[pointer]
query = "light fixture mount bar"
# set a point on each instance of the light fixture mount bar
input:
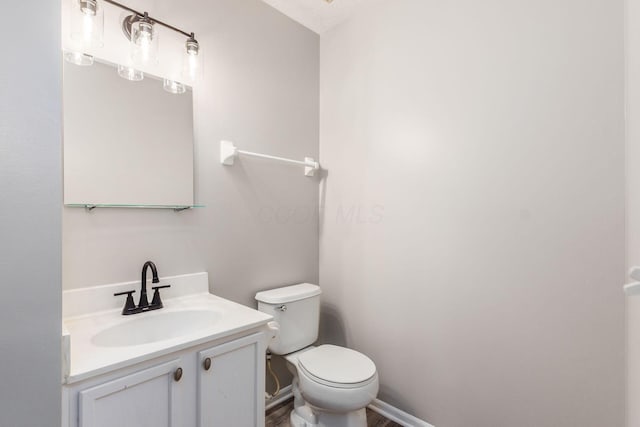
(155, 21)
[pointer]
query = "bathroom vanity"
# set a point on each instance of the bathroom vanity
(199, 361)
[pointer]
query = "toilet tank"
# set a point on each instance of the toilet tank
(297, 310)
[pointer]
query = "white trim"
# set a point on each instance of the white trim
(286, 393)
(390, 412)
(397, 415)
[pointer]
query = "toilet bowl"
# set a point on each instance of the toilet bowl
(332, 385)
(335, 378)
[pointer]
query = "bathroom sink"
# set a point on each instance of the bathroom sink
(97, 339)
(156, 326)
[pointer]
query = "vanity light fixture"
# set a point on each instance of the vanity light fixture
(193, 47)
(141, 30)
(192, 67)
(174, 87)
(87, 23)
(86, 19)
(130, 73)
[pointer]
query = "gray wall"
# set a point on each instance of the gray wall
(633, 206)
(472, 237)
(259, 228)
(30, 205)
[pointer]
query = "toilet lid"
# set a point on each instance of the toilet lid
(337, 365)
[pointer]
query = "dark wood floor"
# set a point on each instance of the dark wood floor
(279, 417)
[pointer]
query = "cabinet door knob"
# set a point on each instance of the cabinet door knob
(177, 375)
(206, 364)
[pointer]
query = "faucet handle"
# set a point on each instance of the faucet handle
(129, 305)
(157, 302)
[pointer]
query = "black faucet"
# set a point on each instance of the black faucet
(143, 304)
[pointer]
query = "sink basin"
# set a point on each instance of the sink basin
(155, 326)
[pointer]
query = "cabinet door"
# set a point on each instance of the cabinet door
(231, 391)
(149, 398)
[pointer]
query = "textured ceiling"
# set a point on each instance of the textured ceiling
(318, 15)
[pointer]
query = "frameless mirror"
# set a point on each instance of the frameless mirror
(125, 142)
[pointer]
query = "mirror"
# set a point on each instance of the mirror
(125, 142)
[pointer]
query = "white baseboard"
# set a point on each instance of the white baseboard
(286, 393)
(394, 414)
(390, 412)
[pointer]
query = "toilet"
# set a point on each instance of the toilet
(332, 385)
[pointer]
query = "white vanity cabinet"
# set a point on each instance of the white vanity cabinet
(231, 384)
(151, 397)
(215, 384)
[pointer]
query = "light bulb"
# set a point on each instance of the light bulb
(87, 28)
(145, 46)
(144, 35)
(193, 67)
(130, 73)
(174, 87)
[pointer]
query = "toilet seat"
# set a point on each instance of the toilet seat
(337, 367)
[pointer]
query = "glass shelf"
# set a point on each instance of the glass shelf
(92, 206)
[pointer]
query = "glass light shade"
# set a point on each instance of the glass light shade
(174, 87)
(78, 58)
(192, 62)
(87, 23)
(130, 73)
(144, 42)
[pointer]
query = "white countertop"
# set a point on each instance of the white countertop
(85, 359)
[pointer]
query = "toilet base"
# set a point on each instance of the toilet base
(304, 416)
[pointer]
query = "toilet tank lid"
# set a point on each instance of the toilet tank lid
(289, 294)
